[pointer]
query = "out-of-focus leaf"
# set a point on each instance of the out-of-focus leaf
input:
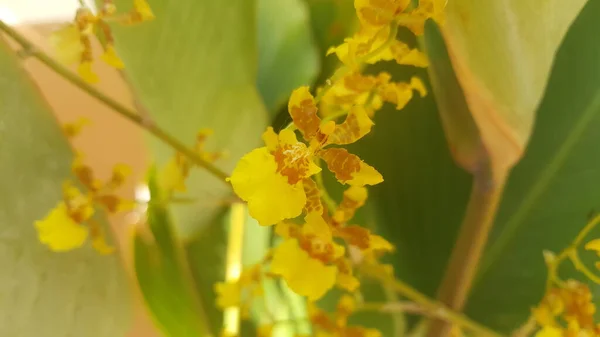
(331, 21)
(207, 256)
(552, 191)
(462, 134)
(163, 273)
(43, 293)
(502, 53)
(547, 198)
(287, 55)
(194, 66)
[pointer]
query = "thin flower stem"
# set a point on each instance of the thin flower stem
(580, 266)
(117, 107)
(434, 308)
(586, 230)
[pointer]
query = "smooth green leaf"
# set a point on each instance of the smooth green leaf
(502, 52)
(547, 200)
(192, 67)
(43, 293)
(552, 191)
(163, 273)
(462, 134)
(207, 256)
(331, 22)
(287, 56)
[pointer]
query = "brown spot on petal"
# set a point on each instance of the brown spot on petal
(293, 161)
(313, 197)
(110, 201)
(342, 163)
(356, 236)
(303, 110)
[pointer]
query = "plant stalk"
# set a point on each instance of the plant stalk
(31, 50)
(428, 305)
(485, 197)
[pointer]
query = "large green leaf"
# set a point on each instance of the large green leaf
(207, 256)
(195, 66)
(547, 199)
(502, 52)
(287, 54)
(552, 191)
(163, 273)
(43, 293)
(331, 22)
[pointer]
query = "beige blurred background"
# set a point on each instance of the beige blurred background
(110, 139)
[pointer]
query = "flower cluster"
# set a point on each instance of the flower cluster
(276, 180)
(175, 173)
(71, 222)
(336, 324)
(73, 42)
(282, 181)
(567, 308)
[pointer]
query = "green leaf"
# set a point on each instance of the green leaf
(331, 22)
(287, 54)
(207, 256)
(43, 293)
(502, 53)
(546, 202)
(163, 273)
(194, 66)
(552, 191)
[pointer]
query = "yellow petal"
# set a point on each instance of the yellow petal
(354, 198)
(86, 72)
(347, 282)
(119, 174)
(264, 330)
(405, 55)
(316, 226)
(378, 13)
(101, 246)
(378, 243)
(286, 229)
(417, 84)
(303, 274)
(287, 137)
(271, 139)
(74, 129)
(143, 9)
(269, 195)
(228, 294)
(313, 197)
(415, 58)
(349, 169)
(593, 245)
(356, 125)
(59, 232)
(366, 175)
(303, 110)
(549, 331)
(111, 58)
(172, 177)
(66, 44)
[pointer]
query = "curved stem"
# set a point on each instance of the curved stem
(454, 289)
(434, 308)
(117, 107)
(580, 266)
